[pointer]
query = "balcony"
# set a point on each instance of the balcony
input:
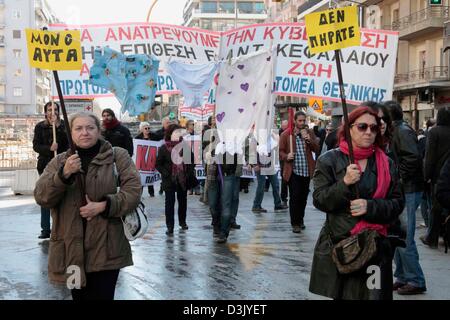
(437, 76)
(421, 22)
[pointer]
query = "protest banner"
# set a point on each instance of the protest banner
(333, 29)
(162, 40)
(144, 156)
(59, 50)
(304, 74)
(197, 114)
(299, 72)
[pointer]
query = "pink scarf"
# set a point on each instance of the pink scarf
(383, 181)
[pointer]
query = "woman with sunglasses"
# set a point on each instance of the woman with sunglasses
(146, 134)
(376, 206)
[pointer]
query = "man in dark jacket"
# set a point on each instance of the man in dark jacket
(44, 145)
(409, 274)
(115, 133)
(443, 186)
(437, 151)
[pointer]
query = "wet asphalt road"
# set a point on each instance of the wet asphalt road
(262, 260)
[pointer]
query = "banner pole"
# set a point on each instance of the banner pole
(348, 138)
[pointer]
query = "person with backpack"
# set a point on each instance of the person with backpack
(88, 233)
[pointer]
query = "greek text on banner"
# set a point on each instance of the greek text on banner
(54, 50)
(332, 29)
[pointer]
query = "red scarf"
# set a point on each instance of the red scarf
(383, 181)
(111, 125)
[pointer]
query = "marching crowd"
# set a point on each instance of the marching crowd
(394, 168)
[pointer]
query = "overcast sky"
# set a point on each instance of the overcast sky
(107, 11)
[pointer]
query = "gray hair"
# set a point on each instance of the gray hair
(84, 114)
(143, 124)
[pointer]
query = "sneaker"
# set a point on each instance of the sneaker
(221, 239)
(408, 289)
(259, 210)
(44, 235)
(428, 243)
(282, 207)
(235, 226)
(184, 226)
(296, 229)
(169, 232)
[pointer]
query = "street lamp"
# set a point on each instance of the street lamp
(150, 10)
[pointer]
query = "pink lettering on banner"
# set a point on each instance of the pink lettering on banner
(372, 40)
(86, 36)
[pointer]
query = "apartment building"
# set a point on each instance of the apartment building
(23, 90)
(222, 15)
(283, 11)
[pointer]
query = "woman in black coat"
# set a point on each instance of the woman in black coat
(177, 178)
(378, 206)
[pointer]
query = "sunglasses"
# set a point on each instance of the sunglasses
(146, 128)
(362, 127)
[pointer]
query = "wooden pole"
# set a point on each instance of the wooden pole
(54, 127)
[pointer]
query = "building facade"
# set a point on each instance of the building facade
(222, 15)
(23, 90)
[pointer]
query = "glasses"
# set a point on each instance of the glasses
(147, 128)
(362, 127)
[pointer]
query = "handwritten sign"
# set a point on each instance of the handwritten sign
(333, 29)
(54, 50)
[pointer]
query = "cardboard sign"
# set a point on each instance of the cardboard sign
(54, 50)
(333, 29)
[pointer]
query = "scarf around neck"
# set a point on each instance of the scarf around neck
(383, 181)
(111, 125)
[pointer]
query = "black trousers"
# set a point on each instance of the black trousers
(436, 218)
(99, 286)
(181, 196)
(298, 191)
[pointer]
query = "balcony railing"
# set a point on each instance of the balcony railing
(419, 16)
(423, 75)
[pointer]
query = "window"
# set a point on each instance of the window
(18, 73)
(209, 7)
(18, 92)
(260, 7)
(16, 14)
(16, 34)
(226, 7)
(17, 53)
(245, 7)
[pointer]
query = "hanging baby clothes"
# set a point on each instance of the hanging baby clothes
(142, 73)
(244, 97)
(108, 72)
(194, 80)
(132, 79)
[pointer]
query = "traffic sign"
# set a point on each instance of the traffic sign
(316, 104)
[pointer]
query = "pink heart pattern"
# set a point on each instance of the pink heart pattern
(240, 67)
(241, 110)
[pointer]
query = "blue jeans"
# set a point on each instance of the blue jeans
(259, 196)
(230, 203)
(214, 202)
(408, 269)
(45, 220)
